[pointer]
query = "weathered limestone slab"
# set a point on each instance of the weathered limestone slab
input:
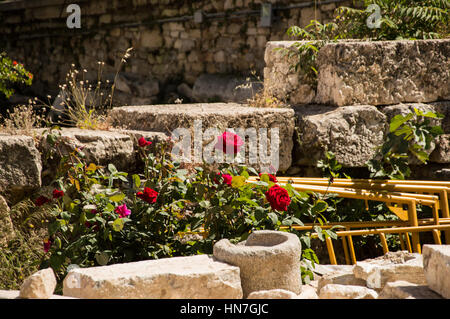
(6, 225)
(308, 292)
(441, 153)
(272, 294)
(39, 285)
(21, 167)
(100, 147)
(335, 291)
(352, 133)
(267, 260)
(15, 294)
(340, 278)
(384, 72)
(393, 266)
(280, 78)
(210, 116)
(406, 290)
(194, 277)
(436, 265)
(224, 88)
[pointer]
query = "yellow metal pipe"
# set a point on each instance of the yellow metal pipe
(344, 246)
(352, 249)
(384, 243)
(330, 248)
(437, 237)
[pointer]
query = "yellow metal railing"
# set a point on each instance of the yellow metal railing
(395, 194)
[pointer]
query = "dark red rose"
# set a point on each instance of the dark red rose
(272, 178)
(143, 142)
(41, 200)
(148, 195)
(57, 194)
(229, 143)
(47, 244)
(278, 198)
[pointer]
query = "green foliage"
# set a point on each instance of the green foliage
(410, 134)
(400, 19)
(12, 73)
(330, 166)
(304, 54)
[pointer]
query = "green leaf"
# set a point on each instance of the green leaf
(117, 198)
(102, 258)
(273, 217)
(319, 206)
(238, 181)
(399, 120)
(118, 224)
(136, 180)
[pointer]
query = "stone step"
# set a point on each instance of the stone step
(193, 277)
(220, 116)
(436, 265)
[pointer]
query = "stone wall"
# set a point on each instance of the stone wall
(361, 85)
(169, 46)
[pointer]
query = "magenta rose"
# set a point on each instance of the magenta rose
(229, 143)
(143, 142)
(123, 211)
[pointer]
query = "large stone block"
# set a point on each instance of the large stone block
(224, 88)
(393, 266)
(194, 277)
(281, 80)
(335, 291)
(384, 72)
(204, 122)
(352, 133)
(436, 265)
(406, 290)
(100, 147)
(39, 285)
(267, 260)
(340, 278)
(21, 166)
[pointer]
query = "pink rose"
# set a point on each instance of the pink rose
(229, 143)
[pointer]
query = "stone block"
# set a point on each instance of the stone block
(406, 290)
(224, 88)
(151, 39)
(308, 292)
(272, 294)
(335, 291)
(39, 285)
(100, 147)
(352, 133)
(340, 278)
(441, 153)
(267, 260)
(215, 117)
(436, 265)
(393, 266)
(194, 277)
(280, 78)
(21, 166)
(383, 72)
(6, 226)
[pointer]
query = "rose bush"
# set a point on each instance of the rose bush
(103, 216)
(12, 72)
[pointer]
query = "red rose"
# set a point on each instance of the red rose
(272, 178)
(278, 198)
(41, 200)
(143, 142)
(14, 63)
(47, 244)
(229, 143)
(57, 194)
(149, 195)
